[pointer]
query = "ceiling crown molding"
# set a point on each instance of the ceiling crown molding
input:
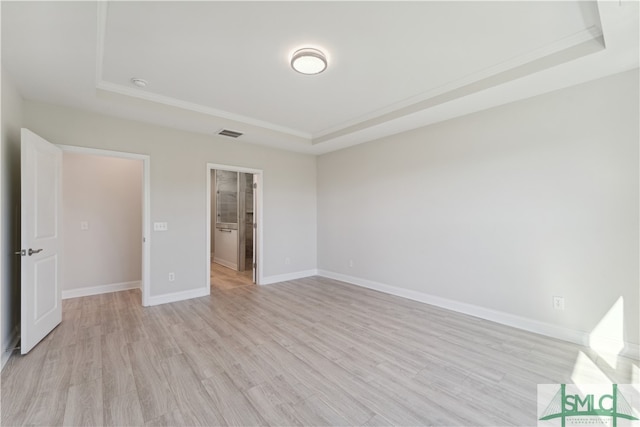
(587, 41)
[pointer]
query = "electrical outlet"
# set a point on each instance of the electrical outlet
(558, 303)
(350, 263)
(172, 277)
(287, 260)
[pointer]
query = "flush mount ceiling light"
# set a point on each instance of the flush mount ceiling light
(139, 82)
(308, 61)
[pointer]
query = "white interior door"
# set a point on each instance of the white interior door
(41, 174)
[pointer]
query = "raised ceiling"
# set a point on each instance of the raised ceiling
(393, 66)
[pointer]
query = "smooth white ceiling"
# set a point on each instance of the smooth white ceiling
(393, 66)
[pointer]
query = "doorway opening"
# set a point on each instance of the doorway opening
(42, 230)
(234, 226)
(106, 222)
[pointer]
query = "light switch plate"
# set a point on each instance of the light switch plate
(160, 226)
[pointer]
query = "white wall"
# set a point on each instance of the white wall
(502, 209)
(9, 214)
(178, 190)
(106, 193)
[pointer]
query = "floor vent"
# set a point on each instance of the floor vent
(229, 133)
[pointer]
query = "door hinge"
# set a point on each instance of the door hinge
(255, 225)
(255, 185)
(254, 265)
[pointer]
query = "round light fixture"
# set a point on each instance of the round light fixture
(308, 61)
(139, 82)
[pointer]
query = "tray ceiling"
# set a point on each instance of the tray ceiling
(393, 66)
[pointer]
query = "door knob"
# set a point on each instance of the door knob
(32, 251)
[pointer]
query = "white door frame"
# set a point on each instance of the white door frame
(257, 248)
(146, 253)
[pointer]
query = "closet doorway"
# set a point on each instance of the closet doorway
(234, 226)
(105, 197)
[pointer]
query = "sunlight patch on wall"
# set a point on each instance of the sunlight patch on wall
(607, 338)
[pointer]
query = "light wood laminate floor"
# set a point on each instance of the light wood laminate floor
(306, 352)
(226, 278)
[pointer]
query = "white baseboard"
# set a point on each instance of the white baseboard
(631, 350)
(554, 331)
(227, 264)
(268, 280)
(103, 289)
(11, 343)
(179, 296)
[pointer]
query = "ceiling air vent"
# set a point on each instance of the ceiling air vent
(229, 133)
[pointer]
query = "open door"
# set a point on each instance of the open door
(41, 175)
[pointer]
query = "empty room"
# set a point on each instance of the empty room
(320, 213)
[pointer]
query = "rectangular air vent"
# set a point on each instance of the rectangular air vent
(229, 133)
